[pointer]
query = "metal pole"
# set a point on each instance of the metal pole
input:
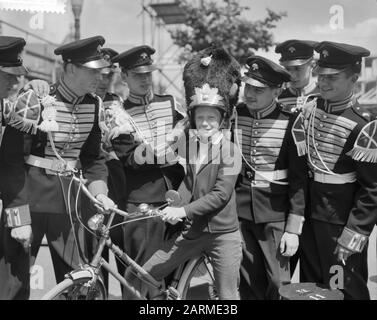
(76, 9)
(143, 19)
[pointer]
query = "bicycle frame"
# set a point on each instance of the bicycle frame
(90, 272)
(98, 262)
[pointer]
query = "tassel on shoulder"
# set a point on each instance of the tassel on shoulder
(365, 147)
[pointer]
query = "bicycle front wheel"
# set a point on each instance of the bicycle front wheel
(197, 280)
(78, 289)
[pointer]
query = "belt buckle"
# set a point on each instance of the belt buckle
(59, 165)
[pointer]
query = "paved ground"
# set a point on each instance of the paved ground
(43, 275)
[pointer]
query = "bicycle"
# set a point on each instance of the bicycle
(85, 282)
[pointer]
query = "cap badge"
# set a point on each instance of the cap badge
(99, 47)
(106, 57)
(325, 53)
(291, 49)
(143, 56)
(206, 95)
(254, 66)
(206, 61)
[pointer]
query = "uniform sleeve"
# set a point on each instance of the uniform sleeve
(363, 215)
(297, 179)
(92, 159)
(14, 147)
(24, 117)
(221, 193)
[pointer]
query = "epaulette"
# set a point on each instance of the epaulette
(365, 147)
(358, 113)
(284, 110)
(26, 112)
(298, 134)
(179, 108)
(308, 107)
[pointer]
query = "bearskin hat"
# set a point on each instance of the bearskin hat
(214, 71)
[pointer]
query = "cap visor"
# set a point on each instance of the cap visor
(18, 71)
(253, 82)
(322, 70)
(96, 64)
(144, 69)
(297, 62)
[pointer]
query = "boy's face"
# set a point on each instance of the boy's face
(207, 120)
(257, 98)
(337, 86)
(300, 75)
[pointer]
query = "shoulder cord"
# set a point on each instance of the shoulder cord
(235, 115)
(311, 131)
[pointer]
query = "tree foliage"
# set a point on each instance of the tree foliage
(221, 22)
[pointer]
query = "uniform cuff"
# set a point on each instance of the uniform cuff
(189, 214)
(352, 240)
(294, 224)
(17, 216)
(96, 187)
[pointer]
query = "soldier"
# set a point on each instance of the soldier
(46, 139)
(297, 59)
(153, 116)
(116, 179)
(342, 159)
(271, 188)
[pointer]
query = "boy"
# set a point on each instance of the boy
(208, 188)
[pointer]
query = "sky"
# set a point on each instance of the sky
(121, 23)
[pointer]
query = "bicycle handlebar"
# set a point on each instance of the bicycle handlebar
(94, 200)
(147, 209)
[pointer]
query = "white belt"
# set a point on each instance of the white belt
(335, 179)
(54, 165)
(271, 175)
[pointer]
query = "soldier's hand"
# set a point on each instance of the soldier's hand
(105, 201)
(23, 235)
(173, 215)
(289, 244)
(40, 87)
(342, 253)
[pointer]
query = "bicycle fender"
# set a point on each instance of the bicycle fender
(79, 274)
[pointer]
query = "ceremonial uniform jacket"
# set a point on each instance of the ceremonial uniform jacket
(117, 181)
(154, 115)
(292, 99)
(208, 188)
(342, 156)
(268, 145)
(73, 123)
